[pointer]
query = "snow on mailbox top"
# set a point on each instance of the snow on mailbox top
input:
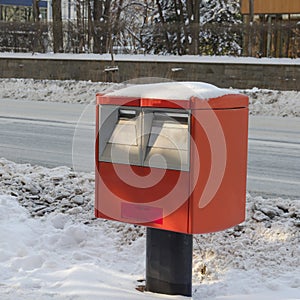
(187, 94)
(171, 91)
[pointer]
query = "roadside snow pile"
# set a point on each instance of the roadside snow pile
(44, 191)
(51, 246)
(262, 102)
(68, 91)
(273, 103)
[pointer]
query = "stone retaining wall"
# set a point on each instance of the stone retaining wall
(236, 75)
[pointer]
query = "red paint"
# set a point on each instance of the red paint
(119, 199)
(141, 213)
(120, 101)
(162, 103)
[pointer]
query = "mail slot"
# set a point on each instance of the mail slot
(119, 139)
(172, 156)
(167, 137)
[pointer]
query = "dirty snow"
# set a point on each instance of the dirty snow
(52, 247)
(262, 101)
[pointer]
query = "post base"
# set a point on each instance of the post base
(169, 260)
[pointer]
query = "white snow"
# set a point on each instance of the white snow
(64, 253)
(182, 90)
(55, 258)
(261, 101)
(51, 247)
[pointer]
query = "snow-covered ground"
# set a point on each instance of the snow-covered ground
(52, 247)
(262, 101)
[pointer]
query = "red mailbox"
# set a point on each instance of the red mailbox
(172, 156)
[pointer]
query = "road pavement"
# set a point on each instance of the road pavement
(55, 134)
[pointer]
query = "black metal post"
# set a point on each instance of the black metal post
(169, 259)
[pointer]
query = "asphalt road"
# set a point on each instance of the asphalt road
(55, 134)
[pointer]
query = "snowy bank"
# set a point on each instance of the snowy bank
(51, 246)
(262, 102)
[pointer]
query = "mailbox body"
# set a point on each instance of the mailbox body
(200, 187)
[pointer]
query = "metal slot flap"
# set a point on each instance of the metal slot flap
(169, 141)
(123, 143)
(169, 132)
(127, 114)
(125, 133)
